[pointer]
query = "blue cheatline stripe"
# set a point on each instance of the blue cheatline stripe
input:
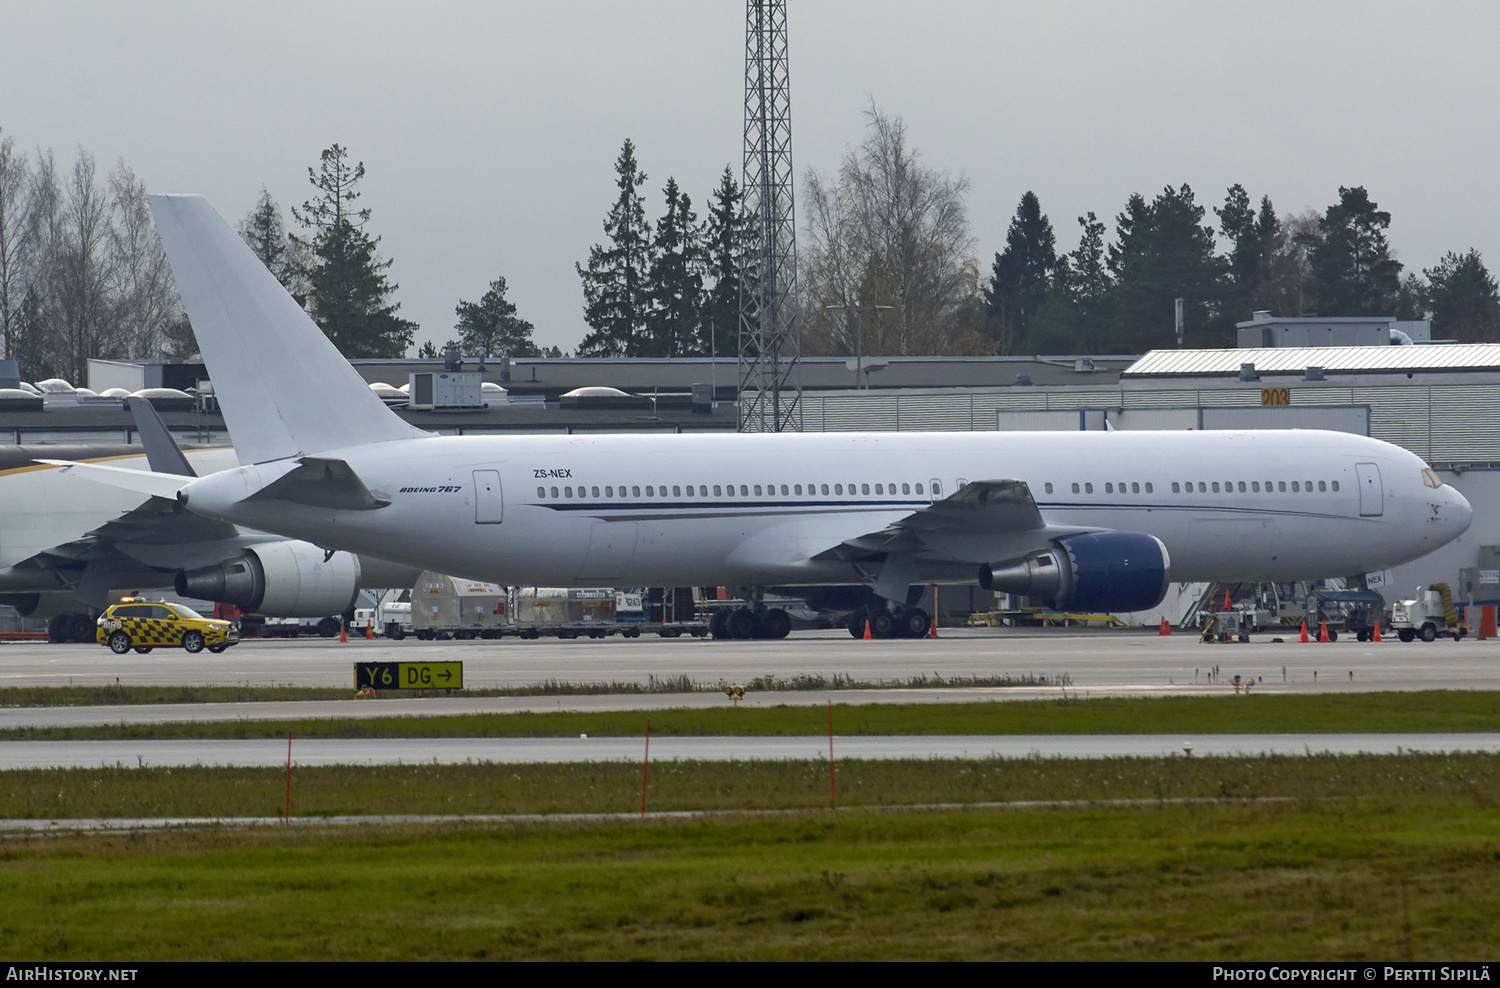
(720, 505)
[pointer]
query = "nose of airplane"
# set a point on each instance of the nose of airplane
(1458, 512)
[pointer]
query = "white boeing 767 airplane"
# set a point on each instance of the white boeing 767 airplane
(1090, 520)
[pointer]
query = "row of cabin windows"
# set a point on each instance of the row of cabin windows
(1204, 487)
(728, 490)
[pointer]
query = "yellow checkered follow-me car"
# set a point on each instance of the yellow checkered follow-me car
(143, 625)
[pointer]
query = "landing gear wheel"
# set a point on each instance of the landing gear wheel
(718, 623)
(883, 624)
(775, 623)
(1361, 636)
(119, 643)
(741, 623)
(1333, 635)
(914, 623)
(328, 627)
(857, 624)
(192, 642)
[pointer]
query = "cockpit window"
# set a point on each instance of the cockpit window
(1430, 478)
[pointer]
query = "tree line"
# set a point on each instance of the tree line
(1118, 297)
(887, 265)
(82, 273)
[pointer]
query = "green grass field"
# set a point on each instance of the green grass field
(1219, 859)
(1440, 711)
(1321, 881)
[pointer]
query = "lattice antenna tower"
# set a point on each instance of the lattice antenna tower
(770, 395)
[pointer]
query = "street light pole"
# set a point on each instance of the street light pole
(859, 338)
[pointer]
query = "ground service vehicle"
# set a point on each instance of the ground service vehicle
(144, 625)
(448, 607)
(1429, 614)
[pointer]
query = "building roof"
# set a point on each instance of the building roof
(1333, 360)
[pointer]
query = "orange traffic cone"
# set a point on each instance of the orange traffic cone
(1322, 631)
(1166, 629)
(1226, 600)
(343, 633)
(1303, 637)
(1376, 637)
(932, 632)
(867, 629)
(370, 631)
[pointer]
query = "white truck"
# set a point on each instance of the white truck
(1428, 615)
(391, 615)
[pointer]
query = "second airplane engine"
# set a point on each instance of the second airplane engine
(278, 579)
(1096, 571)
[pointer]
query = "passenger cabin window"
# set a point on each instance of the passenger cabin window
(1088, 488)
(1049, 488)
(1335, 486)
(1175, 488)
(541, 492)
(1148, 487)
(1075, 487)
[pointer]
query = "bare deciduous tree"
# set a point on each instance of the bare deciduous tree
(892, 232)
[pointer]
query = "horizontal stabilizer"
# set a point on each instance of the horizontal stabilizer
(322, 483)
(155, 484)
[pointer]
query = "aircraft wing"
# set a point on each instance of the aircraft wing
(979, 509)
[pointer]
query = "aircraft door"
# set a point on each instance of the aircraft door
(489, 501)
(1371, 492)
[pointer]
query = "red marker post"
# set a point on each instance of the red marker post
(286, 821)
(831, 791)
(645, 766)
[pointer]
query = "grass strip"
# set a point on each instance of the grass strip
(1434, 711)
(491, 788)
(1405, 879)
(123, 695)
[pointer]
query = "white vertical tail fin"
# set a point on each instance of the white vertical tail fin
(284, 388)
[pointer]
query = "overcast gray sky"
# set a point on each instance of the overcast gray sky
(489, 130)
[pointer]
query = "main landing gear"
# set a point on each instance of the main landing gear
(745, 622)
(903, 622)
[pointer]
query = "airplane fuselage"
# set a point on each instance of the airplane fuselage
(747, 509)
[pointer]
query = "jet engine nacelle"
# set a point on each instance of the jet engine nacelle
(1096, 571)
(278, 579)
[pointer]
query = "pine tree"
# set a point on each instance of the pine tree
(1352, 268)
(675, 281)
(617, 302)
(491, 326)
(264, 231)
(1020, 276)
(1464, 299)
(348, 293)
(1163, 252)
(725, 243)
(1252, 236)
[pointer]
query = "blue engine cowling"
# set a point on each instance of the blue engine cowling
(1095, 571)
